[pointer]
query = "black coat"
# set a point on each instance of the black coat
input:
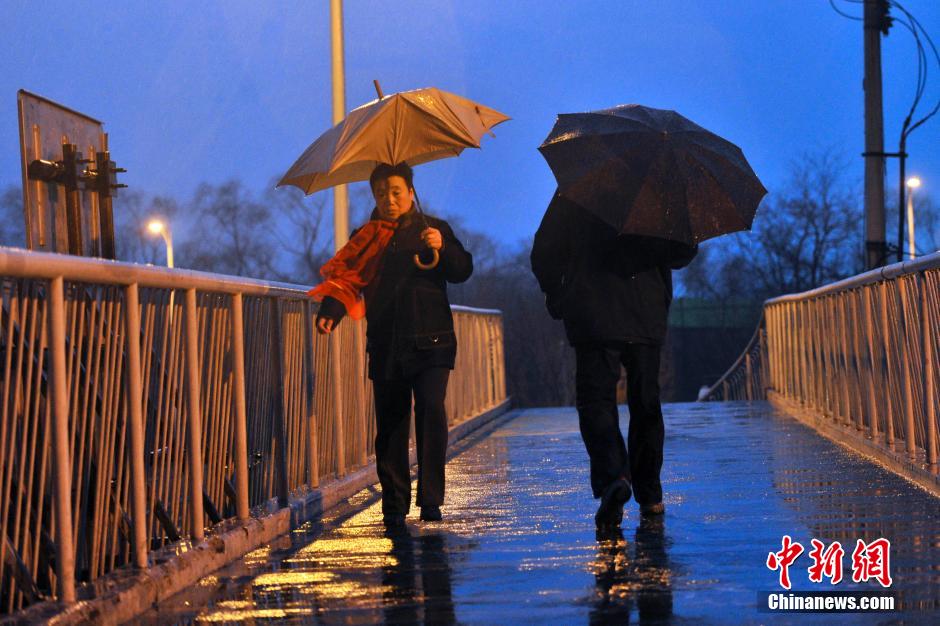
(606, 287)
(410, 325)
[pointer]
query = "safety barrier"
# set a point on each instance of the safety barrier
(861, 353)
(142, 405)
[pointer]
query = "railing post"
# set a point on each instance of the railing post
(874, 365)
(749, 389)
(848, 381)
(339, 430)
(854, 299)
(930, 398)
(280, 438)
(905, 364)
(241, 414)
(501, 359)
(359, 380)
(313, 463)
(133, 382)
(193, 395)
(65, 554)
(886, 337)
(764, 355)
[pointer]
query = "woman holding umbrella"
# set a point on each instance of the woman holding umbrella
(410, 335)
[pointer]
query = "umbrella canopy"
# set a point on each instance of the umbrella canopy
(652, 172)
(410, 126)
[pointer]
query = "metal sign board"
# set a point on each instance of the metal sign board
(68, 179)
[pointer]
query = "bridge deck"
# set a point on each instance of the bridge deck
(518, 542)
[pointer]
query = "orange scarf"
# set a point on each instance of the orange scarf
(353, 267)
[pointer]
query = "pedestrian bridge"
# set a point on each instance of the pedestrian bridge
(158, 425)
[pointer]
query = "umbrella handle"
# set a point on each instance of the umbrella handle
(432, 264)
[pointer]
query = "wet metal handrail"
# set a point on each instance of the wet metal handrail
(132, 417)
(861, 352)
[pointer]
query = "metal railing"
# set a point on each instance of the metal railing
(862, 352)
(141, 406)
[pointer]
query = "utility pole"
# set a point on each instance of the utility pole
(875, 245)
(340, 197)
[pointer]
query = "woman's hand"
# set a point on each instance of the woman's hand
(325, 325)
(432, 238)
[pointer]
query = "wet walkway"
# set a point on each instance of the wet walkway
(518, 542)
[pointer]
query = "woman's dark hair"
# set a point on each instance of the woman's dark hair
(383, 171)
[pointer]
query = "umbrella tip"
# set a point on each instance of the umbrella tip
(378, 88)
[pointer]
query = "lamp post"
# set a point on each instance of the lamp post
(157, 227)
(340, 196)
(912, 183)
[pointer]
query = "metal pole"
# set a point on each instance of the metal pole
(65, 555)
(907, 382)
(911, 248)
(930, 402)
(901, 191)
(874, 361)
(889, 375)
(193, 396)
(874, 140)
(168, 240)
(241, 416)
(136, 418)
(339, 419)
(313, 465)
(340, 197)
(281, 484)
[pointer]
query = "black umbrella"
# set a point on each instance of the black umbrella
(652, 172)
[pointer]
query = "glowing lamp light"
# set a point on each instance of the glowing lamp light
(913, 182)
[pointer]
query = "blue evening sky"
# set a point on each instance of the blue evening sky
(220, 89)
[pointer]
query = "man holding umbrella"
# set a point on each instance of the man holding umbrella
(638, 189)
(394, 272)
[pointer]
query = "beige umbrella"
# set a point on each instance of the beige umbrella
(410, 126)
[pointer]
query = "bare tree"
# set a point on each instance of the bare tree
(133, 210)
(303, 234)
(230, 233)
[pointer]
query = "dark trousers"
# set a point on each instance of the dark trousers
(640, 461)
(393, 413)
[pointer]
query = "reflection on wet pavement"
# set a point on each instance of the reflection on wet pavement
(518, 543)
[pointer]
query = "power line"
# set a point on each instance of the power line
(832, 3)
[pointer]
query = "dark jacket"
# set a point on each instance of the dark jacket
(606, 287)
(410, 325)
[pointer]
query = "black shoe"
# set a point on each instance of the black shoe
(611, 534)
(394, 522)
(431, 514)
(610, 512)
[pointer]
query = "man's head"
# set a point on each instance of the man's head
(393, 189)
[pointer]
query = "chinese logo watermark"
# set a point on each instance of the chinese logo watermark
(870, 561)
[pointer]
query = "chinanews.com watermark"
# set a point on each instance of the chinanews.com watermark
(870, 563)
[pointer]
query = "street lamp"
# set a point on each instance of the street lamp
(912, 183)
(157, 227)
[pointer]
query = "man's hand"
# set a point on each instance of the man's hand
(432, 238)
(325, 325)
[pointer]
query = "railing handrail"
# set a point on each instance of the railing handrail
(469, 309)
(750, 345)
(20, 263)
(926, 262)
